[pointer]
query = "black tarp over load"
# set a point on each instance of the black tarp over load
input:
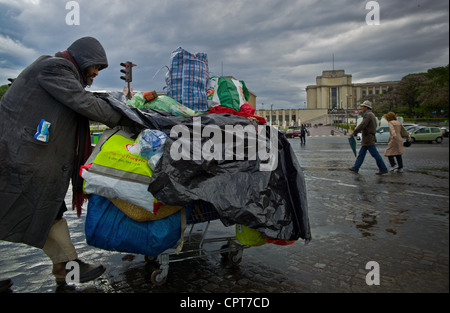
(272, 201)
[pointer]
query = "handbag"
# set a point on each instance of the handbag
(404, 132)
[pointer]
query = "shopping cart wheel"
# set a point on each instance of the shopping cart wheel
(157, 277)
(150, 259)
(235, 257)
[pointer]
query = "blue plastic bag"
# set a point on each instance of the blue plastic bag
(110, 229)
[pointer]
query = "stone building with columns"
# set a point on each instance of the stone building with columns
(285, 118)
(333, 98)
(334, 90)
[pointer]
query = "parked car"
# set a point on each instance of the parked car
(425, 133)
(292, 133)
(411, 129)
(383, 134)
(410, 125)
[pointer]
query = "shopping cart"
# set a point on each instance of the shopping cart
(195, 246)
(107, 227)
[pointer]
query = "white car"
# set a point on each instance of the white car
(382, 135)
(410, 125)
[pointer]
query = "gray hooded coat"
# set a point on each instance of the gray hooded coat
(35, 175)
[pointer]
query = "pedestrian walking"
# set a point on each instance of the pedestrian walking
(303, 135)
(368, 129)
(394, 150)
(44, 138)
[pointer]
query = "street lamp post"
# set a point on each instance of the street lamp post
(271, 116)
(348, 97)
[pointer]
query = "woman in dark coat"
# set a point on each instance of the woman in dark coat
(35, 174)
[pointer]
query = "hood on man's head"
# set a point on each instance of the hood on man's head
(88, 51)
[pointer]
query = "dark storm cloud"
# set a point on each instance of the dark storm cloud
(277, 47)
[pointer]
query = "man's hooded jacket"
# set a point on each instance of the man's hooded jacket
(35, 175)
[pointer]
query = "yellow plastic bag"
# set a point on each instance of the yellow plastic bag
(249, 237)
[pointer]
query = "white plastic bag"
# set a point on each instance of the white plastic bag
(114, 188)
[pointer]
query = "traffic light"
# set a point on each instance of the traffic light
(128, 77)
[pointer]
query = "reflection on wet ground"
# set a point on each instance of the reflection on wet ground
(398, 220)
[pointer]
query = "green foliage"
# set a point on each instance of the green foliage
(434, 94)
(417, 95)
(345, 126)
(3, 89)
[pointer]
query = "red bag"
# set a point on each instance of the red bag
(280, 242)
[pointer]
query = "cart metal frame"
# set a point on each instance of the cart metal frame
(231, 250)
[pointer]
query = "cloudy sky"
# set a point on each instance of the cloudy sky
(277, 47)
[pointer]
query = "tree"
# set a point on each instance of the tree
(420, 94)
(3, 89)
(408, 91)
(389, 101)
(434, 92)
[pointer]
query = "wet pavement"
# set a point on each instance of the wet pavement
(398, 220)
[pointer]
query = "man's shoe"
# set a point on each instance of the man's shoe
(88, 272)
(393, 168)
(383, 172)
(5, 284)
(400, 170)
(353, 170)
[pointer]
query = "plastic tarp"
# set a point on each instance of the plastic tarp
(272, 201)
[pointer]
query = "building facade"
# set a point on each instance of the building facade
(333, 99)
(334, 90)
(285, 118)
